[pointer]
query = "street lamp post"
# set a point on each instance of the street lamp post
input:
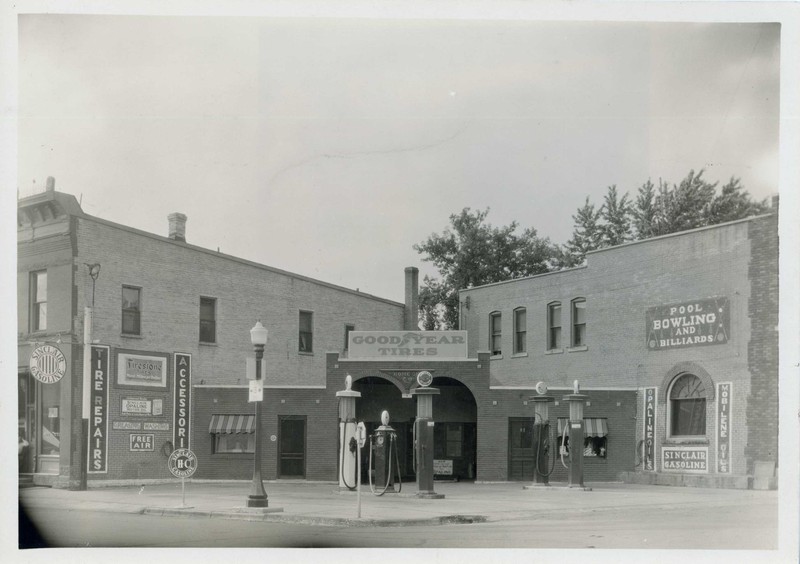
(258, 497)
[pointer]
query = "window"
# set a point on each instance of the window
(687, 407)
(233, 434)
(306, 332)
(208, 320)
(347, 329)
(131, 310)
(554, 326)
(39, 301)
(520, 330)
(595, 436)
(495, 333)
(579, 322)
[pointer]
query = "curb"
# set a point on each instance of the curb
(315, 520)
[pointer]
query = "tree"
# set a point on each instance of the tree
(684, 206)
(644, 211)
(732, 203)
(586, 236)
(616, 216)
(473, 253)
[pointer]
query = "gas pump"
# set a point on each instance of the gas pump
(575, 426)
(348, 444)
(541, 436)
(423, 436)
(383, 443)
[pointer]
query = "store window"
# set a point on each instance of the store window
(39, 300)
(208, 320)
(520, 330)
(595, 436)
(131, 310)
(306, 332)
(51, 420)
(233, 434)
(579, 322)
(687, 407)
(554, 326)
(495, 333)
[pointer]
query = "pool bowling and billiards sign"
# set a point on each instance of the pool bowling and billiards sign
(688, 324)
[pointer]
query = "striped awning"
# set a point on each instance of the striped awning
(232, 424)
(592, 426)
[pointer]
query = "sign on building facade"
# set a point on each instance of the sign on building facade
(688, 324)
(98, 411)
(141, 370)
(686, 460)
(183, 390)
(724, 427)
(649, 447)
(407, 345)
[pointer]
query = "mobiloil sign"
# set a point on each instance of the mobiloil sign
(407, 345)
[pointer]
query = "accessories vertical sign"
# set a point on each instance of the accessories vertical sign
(182, 412)
(98, 414)
(648, 457)
(723, 427)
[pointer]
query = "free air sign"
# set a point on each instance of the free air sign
(182, 463)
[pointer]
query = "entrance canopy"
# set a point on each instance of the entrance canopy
(232, 424)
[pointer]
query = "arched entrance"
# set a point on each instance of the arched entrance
(454, 413)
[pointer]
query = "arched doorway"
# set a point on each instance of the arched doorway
(455, 414)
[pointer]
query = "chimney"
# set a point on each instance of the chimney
(411, 311)
(51, 184)
(177, 226)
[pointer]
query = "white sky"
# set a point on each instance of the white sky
(328, 147)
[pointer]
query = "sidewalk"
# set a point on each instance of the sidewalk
(322, 504)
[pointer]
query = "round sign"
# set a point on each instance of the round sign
(182, 463)
(424, 378)
(48, 364)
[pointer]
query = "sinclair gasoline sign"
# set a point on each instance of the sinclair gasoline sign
(688, 324)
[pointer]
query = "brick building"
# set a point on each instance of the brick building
(673, 339)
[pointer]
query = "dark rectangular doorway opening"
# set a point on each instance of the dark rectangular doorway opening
(292, 446)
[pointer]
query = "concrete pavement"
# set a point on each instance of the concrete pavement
(323, 504)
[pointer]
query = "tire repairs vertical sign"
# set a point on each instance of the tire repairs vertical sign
(648, 458)
(183, 390)
(98, 414)
(724, 427)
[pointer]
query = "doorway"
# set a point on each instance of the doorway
(292, 446)
(520, 449)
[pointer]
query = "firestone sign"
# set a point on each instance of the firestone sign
(407, 345)
(688, 324)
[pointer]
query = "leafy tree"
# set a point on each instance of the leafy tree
(616, 216)
(732, 203)
(684, 206)
(644, 211)
(471, 253)
(587, 236)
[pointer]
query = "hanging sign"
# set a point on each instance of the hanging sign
(182, 463)
(183, 390)
(48, 364)
(256, 391)
(688, 324)
(98, 411)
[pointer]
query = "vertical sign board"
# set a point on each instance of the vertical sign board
(98, 411)
(182, 411)
(650, 404)
(724, 428)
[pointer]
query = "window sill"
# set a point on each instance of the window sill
(305, 353)
(519, 355)
(578, 349)
(207, 344)
(554, 351)
(496, 357)
(232, 455)
(699, 441)
(130, 336)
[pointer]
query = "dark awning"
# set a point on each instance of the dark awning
(592, 426)
(232, 424)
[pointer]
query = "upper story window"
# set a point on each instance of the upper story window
(39, 300)
(131, 310)
(520, 330)
(347, 328)
(579, 322)
(554, 326)
(687, 407)
(208, 320)
(495, 333)
(306, 332)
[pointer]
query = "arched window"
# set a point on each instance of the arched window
(687, 407)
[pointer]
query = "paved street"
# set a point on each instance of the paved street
(487, 516)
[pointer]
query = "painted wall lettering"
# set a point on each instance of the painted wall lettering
(689, 324)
